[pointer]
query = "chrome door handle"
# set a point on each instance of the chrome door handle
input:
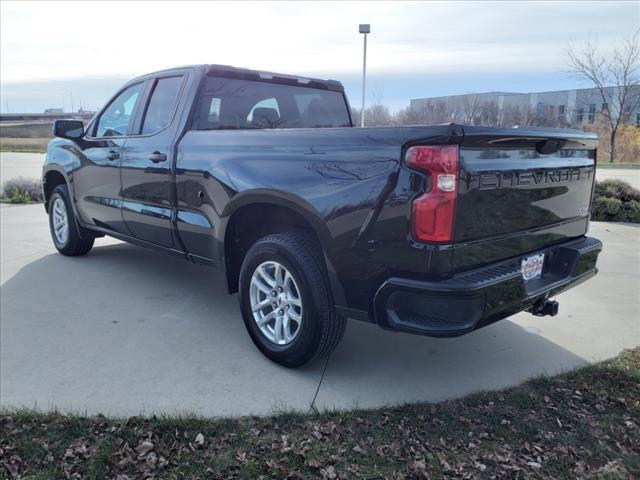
(113, 155)
(157, 157)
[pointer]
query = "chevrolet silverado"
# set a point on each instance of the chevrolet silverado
(433, 230)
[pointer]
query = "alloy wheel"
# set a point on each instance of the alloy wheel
(276, 303)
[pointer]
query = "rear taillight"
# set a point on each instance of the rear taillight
(432, 215)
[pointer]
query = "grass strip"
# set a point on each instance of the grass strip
(583, 424)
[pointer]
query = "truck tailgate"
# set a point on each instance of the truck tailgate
(519, 193)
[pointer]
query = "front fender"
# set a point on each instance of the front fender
(63, 158)
(53, 167)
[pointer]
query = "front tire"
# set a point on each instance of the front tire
(286, 300)
(62, 225)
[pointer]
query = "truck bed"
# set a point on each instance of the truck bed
(512, 199)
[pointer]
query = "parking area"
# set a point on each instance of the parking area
(20, 164)
(629, 175)
(126, 331)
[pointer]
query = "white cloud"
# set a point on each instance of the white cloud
(41, 41)
(44, 46)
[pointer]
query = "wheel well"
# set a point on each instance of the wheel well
(250, 223)
(51, 180)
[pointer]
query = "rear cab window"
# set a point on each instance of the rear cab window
(236, 104)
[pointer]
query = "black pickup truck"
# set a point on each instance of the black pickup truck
(434, 230)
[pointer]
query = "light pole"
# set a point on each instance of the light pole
(364, 28)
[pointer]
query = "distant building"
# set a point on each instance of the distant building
(561, 107)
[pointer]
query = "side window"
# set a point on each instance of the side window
(162, 104)
(114, 121)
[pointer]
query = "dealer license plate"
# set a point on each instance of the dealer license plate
(532, 266)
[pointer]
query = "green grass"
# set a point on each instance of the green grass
(584, 424)
(619, 165)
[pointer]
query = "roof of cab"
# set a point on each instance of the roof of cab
(248, 74)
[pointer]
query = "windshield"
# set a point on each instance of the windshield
(229, 103)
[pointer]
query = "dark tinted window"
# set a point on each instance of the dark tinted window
(228, 103)
(114, 121)
(162, 104)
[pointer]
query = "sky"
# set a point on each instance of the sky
(64, 54)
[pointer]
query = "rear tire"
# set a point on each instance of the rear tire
(301, 289)
(63, 226)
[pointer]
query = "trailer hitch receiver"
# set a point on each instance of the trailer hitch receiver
(544, 307)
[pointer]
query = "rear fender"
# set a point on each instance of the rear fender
(300, 206)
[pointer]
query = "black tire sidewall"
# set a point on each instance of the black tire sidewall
(75, 244)
(304, 346)
(59, 193)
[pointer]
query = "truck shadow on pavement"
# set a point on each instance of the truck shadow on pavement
(126, 330)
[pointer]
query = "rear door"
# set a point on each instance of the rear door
(146, 162)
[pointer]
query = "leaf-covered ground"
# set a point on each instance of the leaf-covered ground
(584, 424)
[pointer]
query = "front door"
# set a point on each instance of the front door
(146, 164)
(97, 177)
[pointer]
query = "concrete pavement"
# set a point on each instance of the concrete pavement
(20, 164)
(126, 330)
(629, 175)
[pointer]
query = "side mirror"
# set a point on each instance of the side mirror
(71, 129)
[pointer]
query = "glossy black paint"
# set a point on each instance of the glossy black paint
(146, 173)
(476, 298)
(96, 182)
(349, 184)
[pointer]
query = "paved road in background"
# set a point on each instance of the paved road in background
(126, 330)
(14, 164)
(30, 165)
(629, 175)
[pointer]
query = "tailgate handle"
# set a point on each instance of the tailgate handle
(549, 146)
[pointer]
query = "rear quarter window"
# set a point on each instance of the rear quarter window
(161, 104)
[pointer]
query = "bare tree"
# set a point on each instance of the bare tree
(355, 116)
(378, 115)
(490, 115)
(428, 114)
(619, 70)
(408, 116)
(519, 115)
(470, 109)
